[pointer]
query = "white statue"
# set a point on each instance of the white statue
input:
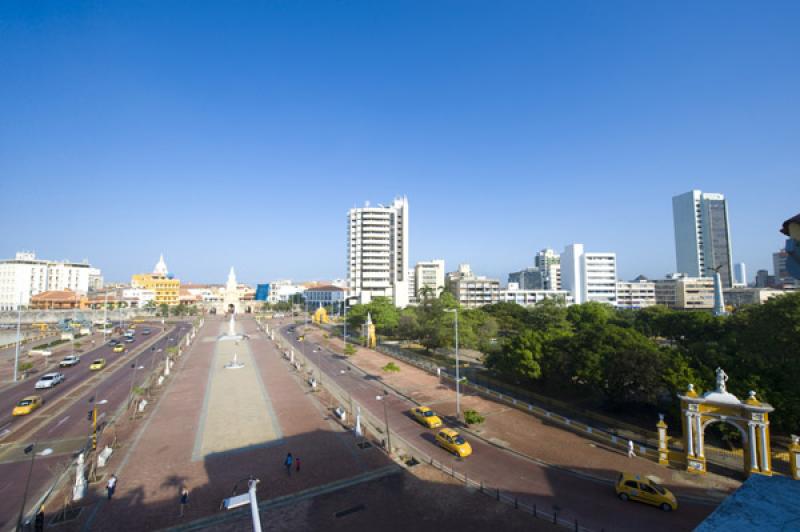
(79, 489)
(722, 378)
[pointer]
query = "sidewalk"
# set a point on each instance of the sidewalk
(536, 438)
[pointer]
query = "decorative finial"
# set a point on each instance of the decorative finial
(661, 417)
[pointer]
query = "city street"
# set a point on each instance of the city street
(593, 504)
(62, 425)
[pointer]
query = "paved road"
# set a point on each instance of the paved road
(67, 431)
(75, 375)
(592, 503)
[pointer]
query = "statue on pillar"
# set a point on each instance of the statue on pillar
(722, 378)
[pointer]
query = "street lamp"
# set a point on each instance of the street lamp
(385, 399)
(29, 450)
(19, 325)
(458, 376)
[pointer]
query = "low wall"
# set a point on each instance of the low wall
(9, 317)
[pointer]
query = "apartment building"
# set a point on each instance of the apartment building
(377, 252)
(166, 289)
(429, 275)
(636, 294)
(681, 292)
(589, 276)
(25, 276)
(472, 290)
(515, 294)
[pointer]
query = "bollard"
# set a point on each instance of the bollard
(576, 525)
(534, 509)
(516, 504)
(498, 494)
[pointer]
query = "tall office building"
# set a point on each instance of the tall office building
(430, 275)
(589, 276)
(740, 274)
(702, 235)
(377, 252)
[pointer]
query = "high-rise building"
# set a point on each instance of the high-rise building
(377, 252)
(589, 276)
(25, 276)
(429, 276)
(702, 235)
(740, 274)
(782, 274)
(549, 263)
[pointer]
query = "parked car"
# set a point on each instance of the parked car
(452, 441)
(634, 487)
(49, 380)
(27, 405)
(426, 416)
(98, 364)
(69, 361)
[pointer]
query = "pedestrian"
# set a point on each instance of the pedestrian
(288, 464)
(297, 464)
(631, 454)
(111, 486)
(184, 499)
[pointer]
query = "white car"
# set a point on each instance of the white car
(69, 360)
(49, 380)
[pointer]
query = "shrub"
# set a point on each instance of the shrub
(349, 349)
(471, 417)
(25, 366)
(391, 367)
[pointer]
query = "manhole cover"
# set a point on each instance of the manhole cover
(349, 511)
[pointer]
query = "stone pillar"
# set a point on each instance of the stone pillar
(663, 449)
(689, 435)
(762, 436)
(794, 457)
(699, 451)
(753, 444)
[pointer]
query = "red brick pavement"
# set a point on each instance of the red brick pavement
(159, 463)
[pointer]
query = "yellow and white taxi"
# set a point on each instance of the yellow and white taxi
(633, 487)
(452, 441)
(426, 417)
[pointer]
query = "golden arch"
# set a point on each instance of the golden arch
(320, 315)
(750, 417)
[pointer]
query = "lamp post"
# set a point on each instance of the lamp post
(458, 375)
(19, 325)
(30, 449)
(385, 399)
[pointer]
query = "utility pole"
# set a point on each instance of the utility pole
(19, 325)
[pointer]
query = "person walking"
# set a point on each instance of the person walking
(631, 454)
(297, 464)
(288, 464)
(184, 499)
(111, 486)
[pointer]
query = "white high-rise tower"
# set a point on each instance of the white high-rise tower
(377, 252)
(702, 235)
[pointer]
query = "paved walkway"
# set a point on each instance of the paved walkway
(160, 460)
(529, 435)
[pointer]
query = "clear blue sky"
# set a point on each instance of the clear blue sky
(237, 133)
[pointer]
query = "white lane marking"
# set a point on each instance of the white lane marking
(61, 422)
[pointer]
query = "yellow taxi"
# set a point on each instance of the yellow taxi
(426, 416)
(27, 405)
(119, 348)
(98, 364)
(453, 442)
(638, 488)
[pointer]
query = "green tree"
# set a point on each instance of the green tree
(163, 309)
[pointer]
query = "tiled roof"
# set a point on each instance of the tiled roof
(56, 295)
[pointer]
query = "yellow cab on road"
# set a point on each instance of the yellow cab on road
(426, 416)
(453, 442)
(635, 487)
(98, 364)
(119, 348)
(27, 405)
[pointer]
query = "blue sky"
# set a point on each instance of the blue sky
(237, 133)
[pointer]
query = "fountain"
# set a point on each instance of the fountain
(232, 332)
(234, 364)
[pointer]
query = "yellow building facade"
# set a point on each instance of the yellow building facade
(166, 290)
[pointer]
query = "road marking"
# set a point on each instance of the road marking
(61, 422)
(5, 430)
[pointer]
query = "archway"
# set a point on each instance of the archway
(725, 443)
(750, 417)
(231, 308)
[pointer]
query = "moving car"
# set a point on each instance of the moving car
(129, 339)
(69, 361)
(27, 405)
(119, 348)
(145, 331)
(637, 488)
(426, 416)
(98, 364)
(452, 441)
(49, 380)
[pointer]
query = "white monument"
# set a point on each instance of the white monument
(231, 298)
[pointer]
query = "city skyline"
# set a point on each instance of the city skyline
(510, 130)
